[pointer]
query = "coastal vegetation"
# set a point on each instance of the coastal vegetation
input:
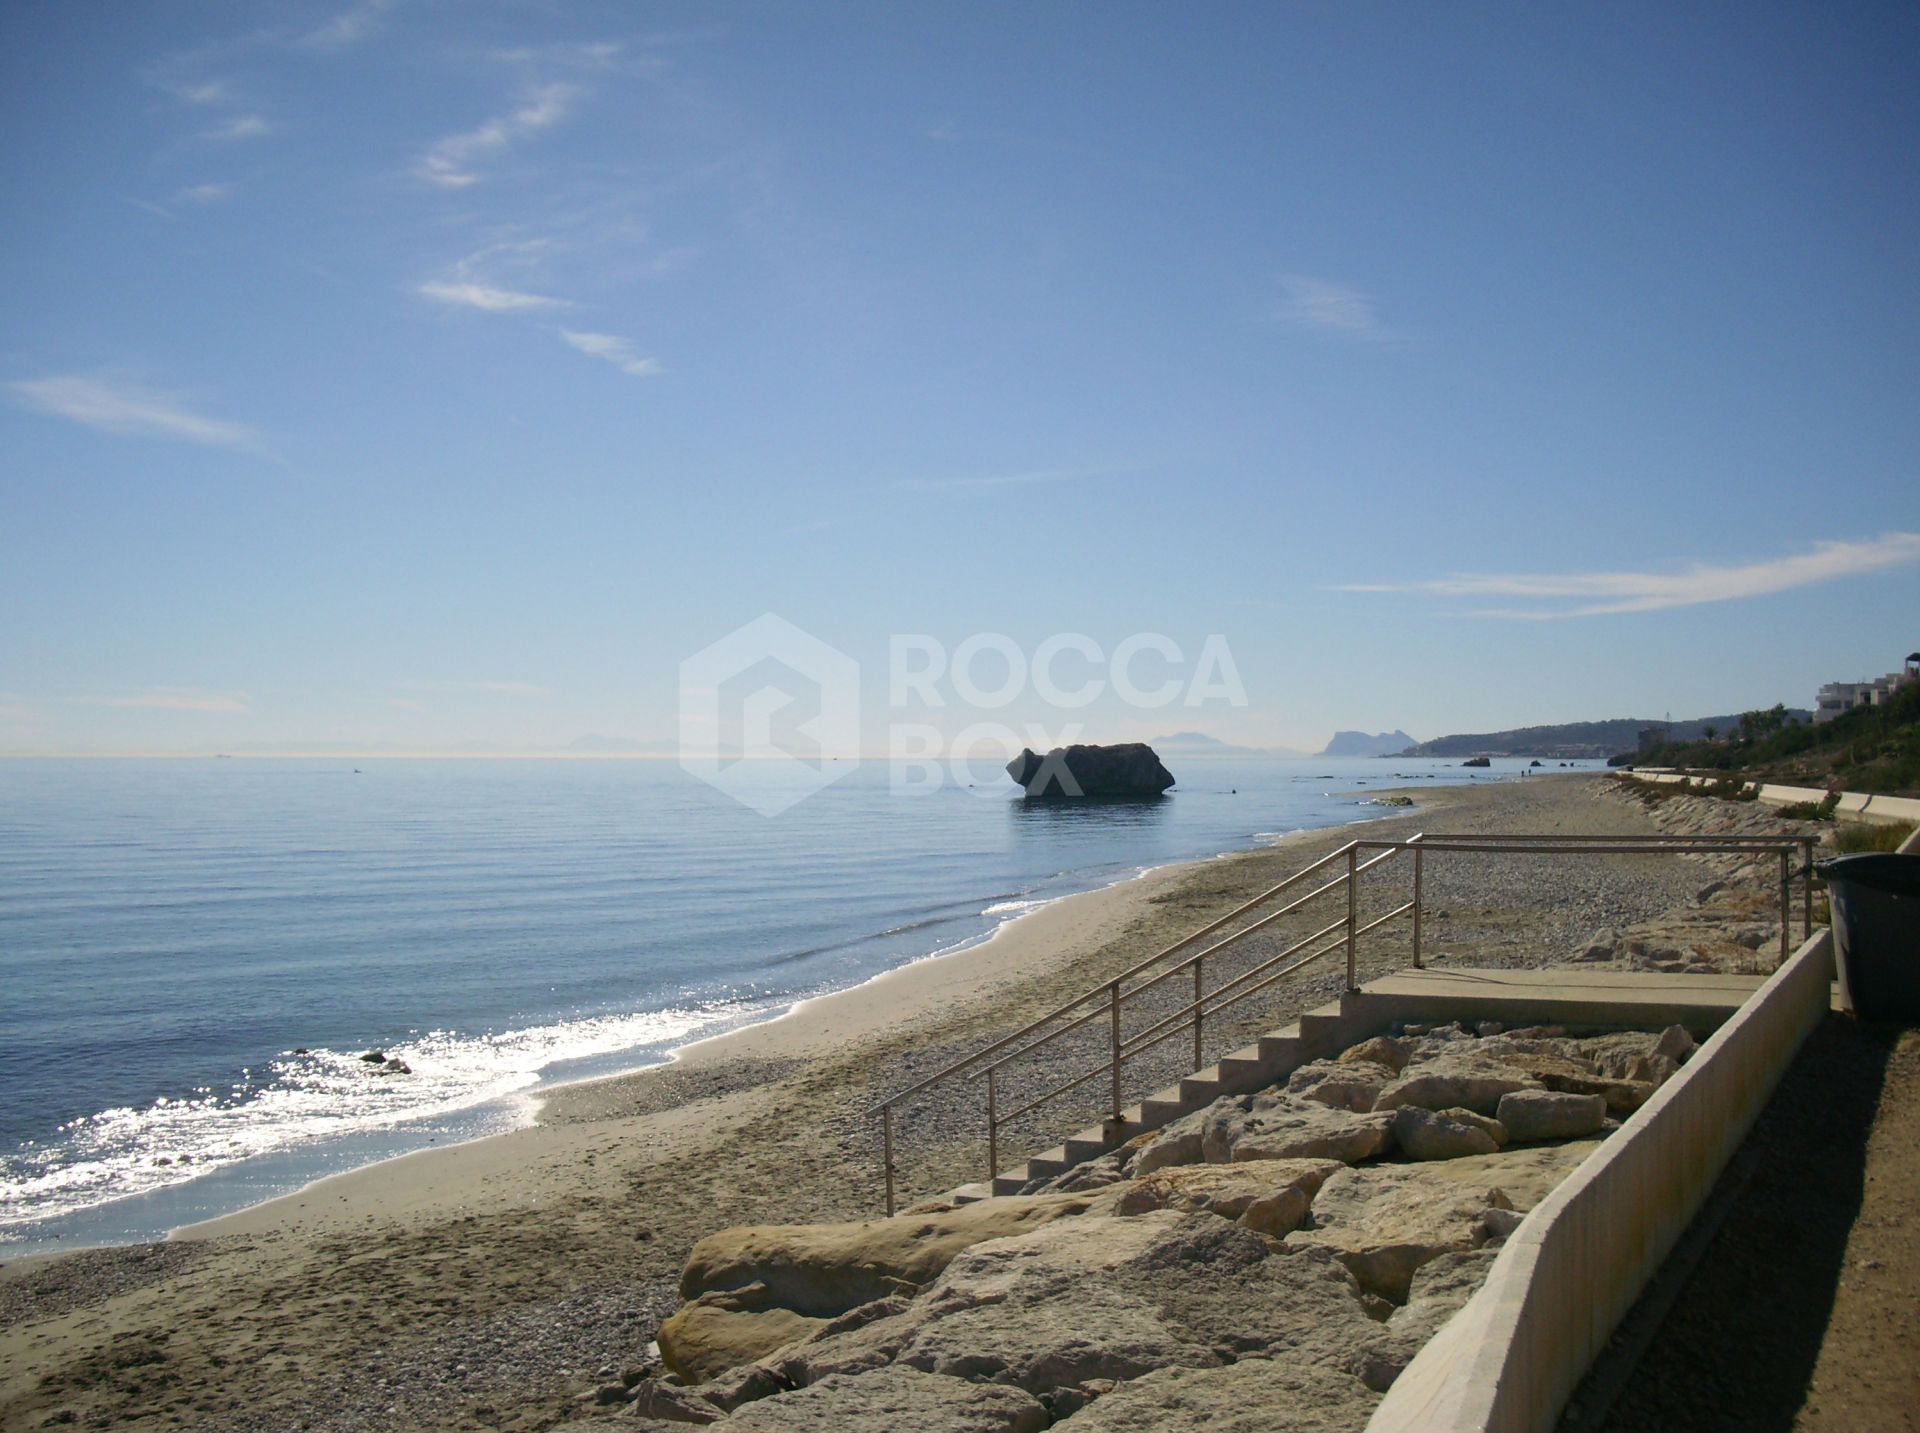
(1870, 748)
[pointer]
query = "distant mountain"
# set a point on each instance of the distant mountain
(1360, 743)
(1198, 743)
(1577, 738)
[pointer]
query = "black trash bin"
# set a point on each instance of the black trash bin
(1876, 933)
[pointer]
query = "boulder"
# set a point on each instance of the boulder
(1622, 1096)
(1432, 1134)
(1168, 1151)
(1267, 1196)
(1525, 1174)
(1127, 771)
(1290, 1128)
(1243, 1397)
(1383, 1223)
(1080, 1300)
(1541, 1114)
(721, 1330)
(889, 1399)
(825, 1269)
(1340, 1084)
(671, 1403)
(1468, 1081)
(1439, 1289)
(1380, 1050)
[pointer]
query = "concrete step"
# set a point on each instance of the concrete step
(1202, 1086)
(974, 1193)
(1057, 1160)
(1009, 1183)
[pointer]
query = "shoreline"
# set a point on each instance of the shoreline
(783, 1038)
(811, 1027)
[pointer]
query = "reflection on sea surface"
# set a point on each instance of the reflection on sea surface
(1048, 815)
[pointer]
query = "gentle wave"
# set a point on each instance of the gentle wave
(303, 1098)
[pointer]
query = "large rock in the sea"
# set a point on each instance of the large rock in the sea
(1091, 772)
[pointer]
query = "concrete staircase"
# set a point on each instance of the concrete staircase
(1266, 1061)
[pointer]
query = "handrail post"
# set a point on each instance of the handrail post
(1113, 1005)
(886, 1152)
(1786, 905)
(1353, 916)
(1199, 994)
(1419, 858)
(1806, 889)
(993, 1132)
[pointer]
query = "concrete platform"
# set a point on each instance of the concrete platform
(1561, 994)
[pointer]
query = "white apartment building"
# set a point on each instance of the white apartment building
(1838, 697)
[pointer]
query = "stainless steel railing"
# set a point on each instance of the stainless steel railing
(1109, 1000)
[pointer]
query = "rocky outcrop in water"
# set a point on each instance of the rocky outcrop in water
(1129, 771)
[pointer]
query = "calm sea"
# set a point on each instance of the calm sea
(195, 953)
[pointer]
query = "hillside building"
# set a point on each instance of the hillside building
(1838, 697)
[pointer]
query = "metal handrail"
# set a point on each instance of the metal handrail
(1110, 997)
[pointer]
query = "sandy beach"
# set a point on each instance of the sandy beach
(497, 1283)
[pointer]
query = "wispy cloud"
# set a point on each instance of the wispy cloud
(177, 699)
(488, 297)
(450, 163)
(200, 92)
(1601, 594)
(116, 407)
(1000, 480)
(348, 27)
(486, 688)
(615, 350)
(202, 194)
(241, 126)
(1330, 307)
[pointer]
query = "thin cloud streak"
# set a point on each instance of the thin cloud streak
(177, 699)
(1000, 480)
(1330, 307)
(611, 348)
(241, 126)
(132, 411)
(1623, 592)
(489, 688)
(449, 163)
(487, 297)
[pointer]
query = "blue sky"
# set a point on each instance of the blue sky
(417, 375)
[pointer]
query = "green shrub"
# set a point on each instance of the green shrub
(1852, 838)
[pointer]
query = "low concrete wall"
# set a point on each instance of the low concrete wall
(1852, 803)
(1508, 1361)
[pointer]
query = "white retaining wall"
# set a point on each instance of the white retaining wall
(1509, 1360)
(1852, 803)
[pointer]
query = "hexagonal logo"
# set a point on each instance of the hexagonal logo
(769, 714)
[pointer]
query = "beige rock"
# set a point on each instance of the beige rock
(1383, 1050)
(1448, 1080)
(888, 1400)
(670, 1403)
(1526, 1174)
(1386, 1221)
(1622, 1096)
(1431, 1134)
(1540, 1114)
(1168, 1151)
(1268, 1196)
(1255, 1395)
(1339, 1084)
(721, 1330)
(825, 1269)
(1302, 1130)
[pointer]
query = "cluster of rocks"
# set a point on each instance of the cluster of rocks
(1731, 924)
(1291, 1248)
